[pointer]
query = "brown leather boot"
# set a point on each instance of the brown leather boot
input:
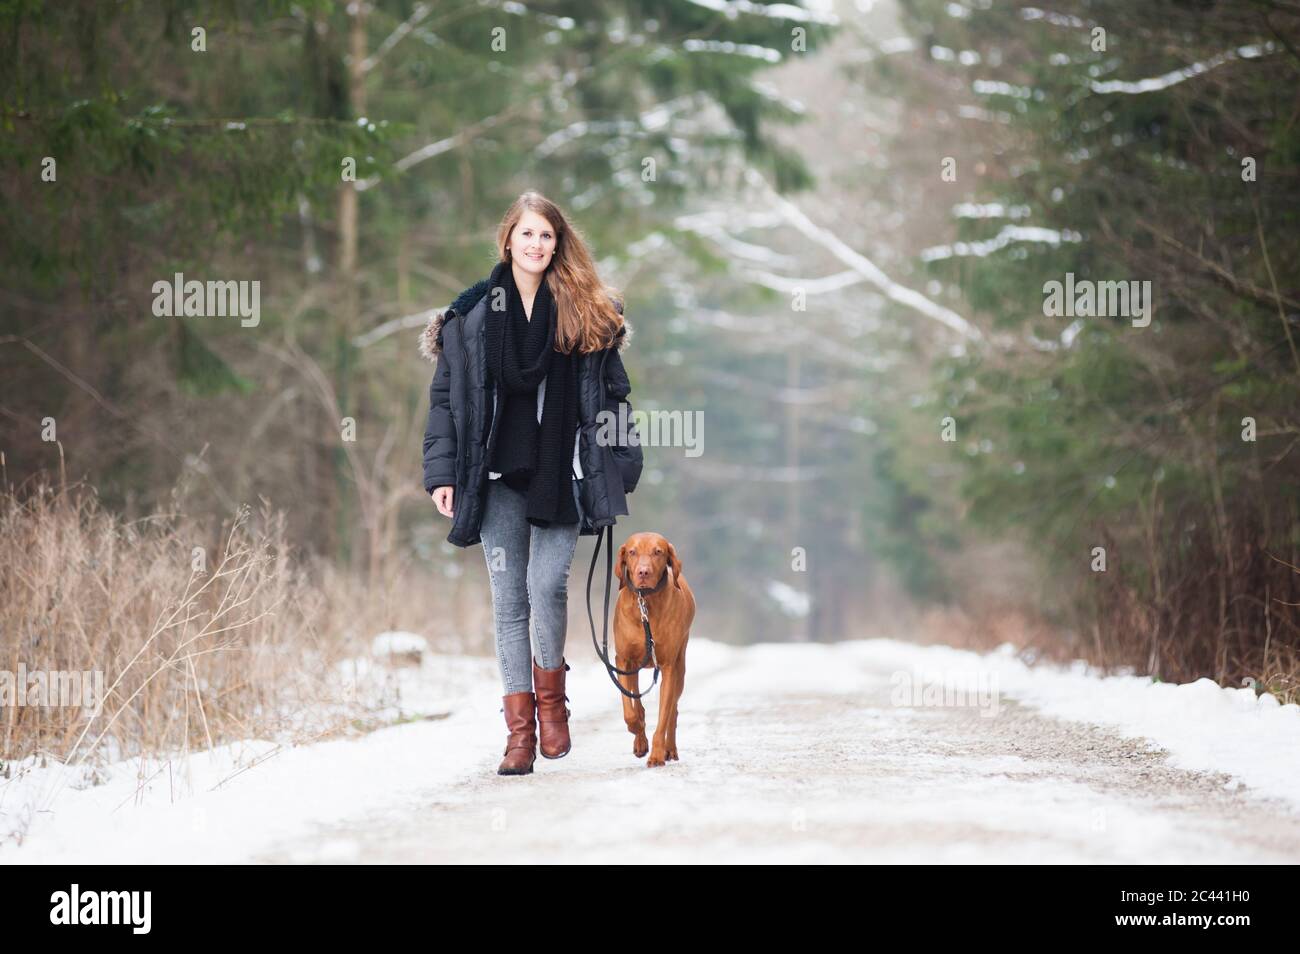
(552, 713)
(521, 745)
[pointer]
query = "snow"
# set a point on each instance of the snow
(1172, 78)
(223, 805)
(399, 644)
(1007, 235)
(1203, 726)
(234, 803)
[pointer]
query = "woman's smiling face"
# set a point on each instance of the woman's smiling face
(532, 243)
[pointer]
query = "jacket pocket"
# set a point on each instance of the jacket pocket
(626, 447)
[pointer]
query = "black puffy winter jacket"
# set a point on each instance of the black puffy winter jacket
(459, 436)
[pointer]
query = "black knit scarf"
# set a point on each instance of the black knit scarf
(533, 458)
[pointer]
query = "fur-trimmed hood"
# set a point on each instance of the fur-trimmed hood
(430, 346)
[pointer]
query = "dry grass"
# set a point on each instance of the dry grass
(204, 634)
(1273, 668)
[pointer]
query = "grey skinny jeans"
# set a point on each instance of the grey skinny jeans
(529, 571)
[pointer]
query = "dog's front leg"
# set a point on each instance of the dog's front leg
(633, 711)
(666, 723)
(670, 752)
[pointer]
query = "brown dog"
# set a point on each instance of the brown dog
(648, 563)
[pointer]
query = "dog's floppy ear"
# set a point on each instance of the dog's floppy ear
(676, 564)
(619, 567)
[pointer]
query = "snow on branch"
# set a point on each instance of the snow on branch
(864, 266)
(1009, 234)
(1155, 83)
(422, 10)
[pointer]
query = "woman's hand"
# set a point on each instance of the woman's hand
(442, 497)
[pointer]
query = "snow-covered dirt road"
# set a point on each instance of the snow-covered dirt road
(856, 751)
(804, 753)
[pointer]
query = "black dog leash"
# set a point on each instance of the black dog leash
(649, 655)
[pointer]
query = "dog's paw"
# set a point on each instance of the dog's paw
(640, 746)
(656, 759)
(670, 753)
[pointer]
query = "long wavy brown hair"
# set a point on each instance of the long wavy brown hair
(585, 315)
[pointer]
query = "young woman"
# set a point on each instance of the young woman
(515, 452)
